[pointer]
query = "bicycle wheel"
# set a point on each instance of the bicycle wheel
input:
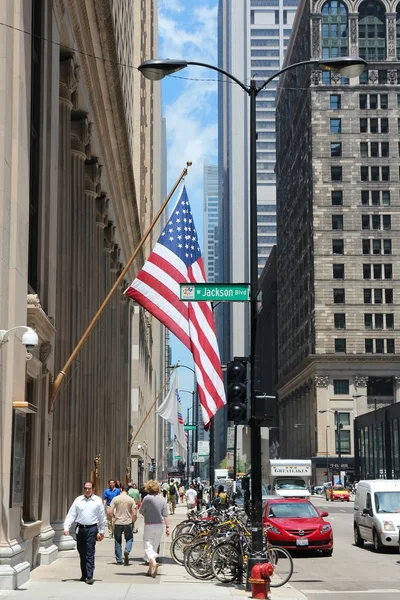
(198, 560)
(184, 527)
(179, 546)
(225, 562)
(283, 565)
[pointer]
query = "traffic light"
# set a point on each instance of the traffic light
(237, 391)
(140, 465)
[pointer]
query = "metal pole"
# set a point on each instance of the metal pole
(60, 377)
(196, 432)
(211, 460)
(257, 535)
(339, 444)
(235, 456)
(327, 451)
(188, 448)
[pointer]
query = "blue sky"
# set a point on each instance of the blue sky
(188, 30)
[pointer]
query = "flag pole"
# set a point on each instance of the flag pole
(60, 377)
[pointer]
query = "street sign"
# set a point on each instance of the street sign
(197, 458)
(203, 448)
(230, 438)
(215, 292)
(178, 457)
(189, 427)
(230, 457)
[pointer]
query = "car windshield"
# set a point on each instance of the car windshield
(292, 510)
(387, 502)
(290, 484)
(339, 488)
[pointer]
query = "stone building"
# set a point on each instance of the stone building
(78, 156)
(338, 221)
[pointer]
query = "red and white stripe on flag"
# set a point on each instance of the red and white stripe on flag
(176, 259)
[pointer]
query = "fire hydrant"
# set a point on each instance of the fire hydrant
(260, 580)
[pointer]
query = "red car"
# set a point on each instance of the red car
(295, 524)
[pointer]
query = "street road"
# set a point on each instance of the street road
(351, 572)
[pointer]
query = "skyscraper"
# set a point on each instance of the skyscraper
(210, 222)
(253, 36)
(338, 253)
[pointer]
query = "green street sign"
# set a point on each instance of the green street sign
(189, 427)
(215, 292)
(178, 457)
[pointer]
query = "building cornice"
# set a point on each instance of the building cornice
(314, 364)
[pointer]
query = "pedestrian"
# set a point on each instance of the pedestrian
(88, 513)
(221, 497)
(134, 493)
(165, 488)
(155, 512)
(123, 510)
(199, 489)
(172, 497)
(181, 493)
(191, 497)
(118, 485)
(108, 495)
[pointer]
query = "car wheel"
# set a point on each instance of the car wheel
(327, 552)
(377, 542)
(358, 540)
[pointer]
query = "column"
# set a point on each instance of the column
(69, 78)
(353, 34)
(90, 305)
(391, 50)
(78, 427)
(316, 36)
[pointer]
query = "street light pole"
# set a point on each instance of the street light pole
(156, 69)
(327, 450)
(339, 444)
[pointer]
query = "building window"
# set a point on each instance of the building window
(341, 387)
(367, 271)
(339, 296)
(375, 198)
(334, 29)
(338, 271)
(336, 173)
(340, 346)
(337, 246)
(366, 246)
(390, 346)
(337, 221)
(345, 447)
(387, 269)
(372, 31)
(367, 296)
(336, 149)
(339, 320)
(363, 101)
(334, 102)
(388, 296)
(337, 198)
(336, 125)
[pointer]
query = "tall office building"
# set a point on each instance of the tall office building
(253, 37)
(338, 217)
(210, 222)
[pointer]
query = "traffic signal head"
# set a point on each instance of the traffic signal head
(237, 391)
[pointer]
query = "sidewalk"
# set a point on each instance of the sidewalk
(60, 581)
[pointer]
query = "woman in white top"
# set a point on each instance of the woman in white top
(155, 512)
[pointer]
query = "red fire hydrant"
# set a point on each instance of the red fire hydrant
(260, 580)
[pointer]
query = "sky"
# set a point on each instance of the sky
(188, 30)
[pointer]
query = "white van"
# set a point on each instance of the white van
(377, 513)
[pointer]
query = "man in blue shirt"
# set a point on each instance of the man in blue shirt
(108, 495)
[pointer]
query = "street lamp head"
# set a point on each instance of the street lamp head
(156, 69)
(347, 66)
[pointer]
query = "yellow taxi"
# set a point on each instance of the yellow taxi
(337, 492)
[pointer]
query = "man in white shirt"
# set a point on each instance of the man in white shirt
(191, 496)
(87, 512)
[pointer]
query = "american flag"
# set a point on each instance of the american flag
(176, 259)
